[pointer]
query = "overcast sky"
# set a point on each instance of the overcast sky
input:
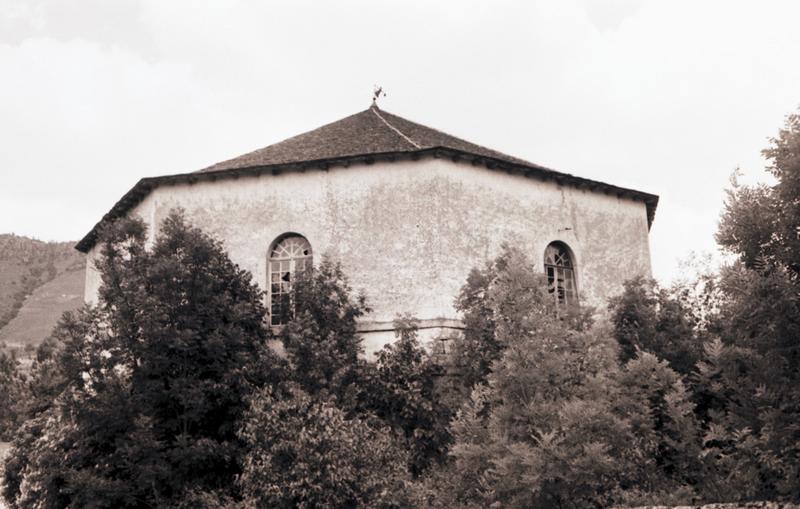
(667, 97)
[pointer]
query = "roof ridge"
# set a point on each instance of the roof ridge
(393, 128)
(494, 152)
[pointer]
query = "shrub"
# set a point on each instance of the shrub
(305, 453)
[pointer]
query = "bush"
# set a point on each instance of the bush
(306, 453)
(403, 394)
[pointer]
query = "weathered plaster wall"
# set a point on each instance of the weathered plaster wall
(92, 276)
(408, 232)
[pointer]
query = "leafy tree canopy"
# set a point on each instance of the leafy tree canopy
(403, 393)
(762, 223)
(321, 340)
(657, 320)
(151, 382)
(303, 452)
(558, 423)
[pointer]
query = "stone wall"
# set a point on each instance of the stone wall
(408, 232)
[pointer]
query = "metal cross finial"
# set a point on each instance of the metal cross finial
(377, 92)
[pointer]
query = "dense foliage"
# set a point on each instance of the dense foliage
(656, 320)
(306, 453)
(397, 392)
(12, 393)
(692, 394)
(167, 394)
(150, 383)
(559, 422)
(735, 335)
(760, 223)
(321, 343)
(474, 353)
(404, 395)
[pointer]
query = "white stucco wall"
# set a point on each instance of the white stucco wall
(408, 232)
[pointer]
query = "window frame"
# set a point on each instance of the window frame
(285, 254)
(560, 270)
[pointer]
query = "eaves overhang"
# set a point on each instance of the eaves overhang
(144, 186)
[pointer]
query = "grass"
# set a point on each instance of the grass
(38, 282)
(26, 264)
(42, 309)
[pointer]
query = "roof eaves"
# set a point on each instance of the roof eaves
(143, 187)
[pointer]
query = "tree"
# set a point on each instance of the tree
(749, 429)
(480, 300)
(556, 425)
(634, 315)
(321, 340)
(656, 320)
(326, 361)
(760, 223)
(12, 393)
(403, 394)
(746, 388)
(659, 407)
(151, 382)
(303, 452)
(474, 353)
(748, 381)
(46, 381)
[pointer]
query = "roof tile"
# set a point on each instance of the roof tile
(359, 137)
(372, 131)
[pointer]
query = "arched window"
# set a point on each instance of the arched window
(560, 270)
(290, 255)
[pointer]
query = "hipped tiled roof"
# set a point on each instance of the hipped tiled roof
(365, 137)
(372, 131)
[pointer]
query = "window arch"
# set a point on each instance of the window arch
(289, 256)
(559, 267)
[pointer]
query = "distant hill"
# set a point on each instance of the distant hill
(38, 282)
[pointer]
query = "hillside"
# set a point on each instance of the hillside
(38, 282)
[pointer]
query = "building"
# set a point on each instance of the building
(408, 210)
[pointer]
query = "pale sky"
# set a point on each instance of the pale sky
(667, 97)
